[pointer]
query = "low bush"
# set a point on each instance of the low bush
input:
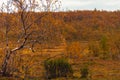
(58, 68)
(84, 71)
(74, 50)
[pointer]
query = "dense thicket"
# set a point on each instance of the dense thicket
(78, 25)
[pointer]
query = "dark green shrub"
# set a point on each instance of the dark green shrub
(104, 48)
(84, 72)
(57, 68)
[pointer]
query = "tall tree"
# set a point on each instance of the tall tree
(50, 5)
(24, 29)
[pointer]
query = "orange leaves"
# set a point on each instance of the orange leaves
(75, 50)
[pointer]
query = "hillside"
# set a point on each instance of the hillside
(89, 38)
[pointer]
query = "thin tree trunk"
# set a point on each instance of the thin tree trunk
(5, 64)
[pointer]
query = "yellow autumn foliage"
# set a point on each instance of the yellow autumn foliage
(74, 50)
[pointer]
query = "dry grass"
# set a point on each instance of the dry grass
(98, 69)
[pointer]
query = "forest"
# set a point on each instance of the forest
(71, 45)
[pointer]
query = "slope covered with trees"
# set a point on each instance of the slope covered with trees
(83, 37)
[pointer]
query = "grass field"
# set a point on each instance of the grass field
(33, 67)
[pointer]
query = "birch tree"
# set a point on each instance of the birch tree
(22, 11)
